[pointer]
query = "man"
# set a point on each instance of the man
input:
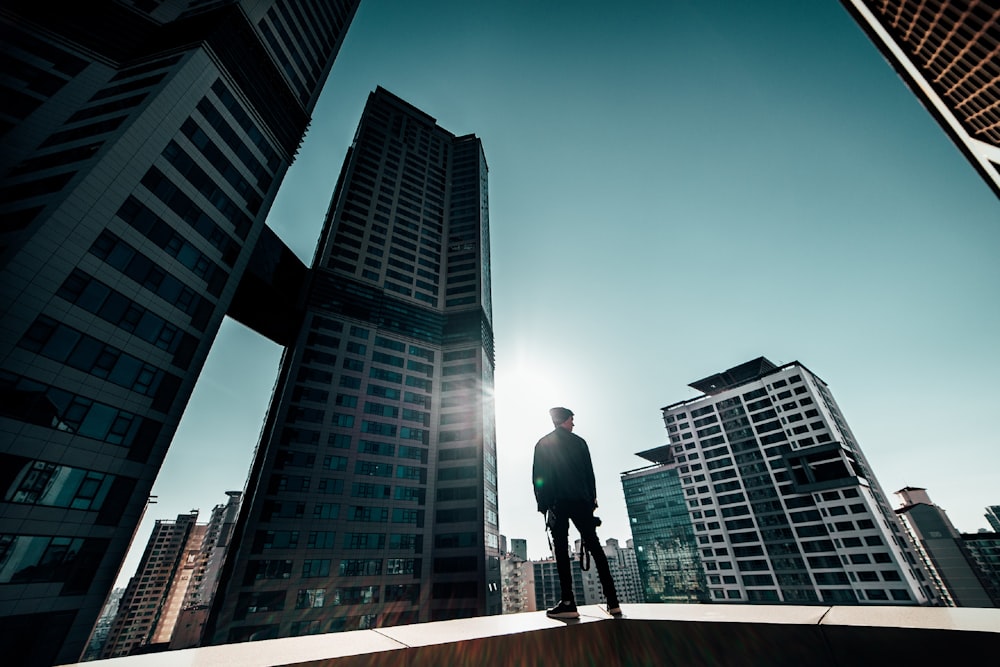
(565, 490)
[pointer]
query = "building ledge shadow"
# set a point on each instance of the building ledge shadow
(646, 634)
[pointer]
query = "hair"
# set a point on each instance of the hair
(560, 415)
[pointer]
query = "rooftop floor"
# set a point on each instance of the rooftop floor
(647, 634)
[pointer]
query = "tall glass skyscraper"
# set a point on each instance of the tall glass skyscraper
(143, 144)
(784, 506)
(372, 498)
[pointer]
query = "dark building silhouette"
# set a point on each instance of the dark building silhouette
(372, 496)
(946, 52)
(143, 144)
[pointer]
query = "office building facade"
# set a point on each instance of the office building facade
(784, 505)
(984, 551)
(372, 498)
(143, 146)
(666, 549)
(946, 52)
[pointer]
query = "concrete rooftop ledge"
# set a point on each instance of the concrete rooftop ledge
(647, 634)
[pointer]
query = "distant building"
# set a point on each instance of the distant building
(993, 517)
(519, 547)
(166, 602)
(984, 550)
(666, 549)
(546, 579)
(624, 572)
(946, 53)
(942, 550)
(784, 505)
(517, 584)
(190, 624)
(155, 594)
(104, 622)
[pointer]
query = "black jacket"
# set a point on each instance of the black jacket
(562, 470)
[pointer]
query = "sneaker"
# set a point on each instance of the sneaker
(563, 610)
(613, 607)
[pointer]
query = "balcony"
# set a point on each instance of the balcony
(647, 634)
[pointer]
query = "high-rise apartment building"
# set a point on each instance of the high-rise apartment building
(946, 52)
(784, 505)
(193, 614)
(666, 548)
(372, 497)
(546, 580)
(517, 584)
(154, 597)
(942, 551)
(143, 144)
(624, 572)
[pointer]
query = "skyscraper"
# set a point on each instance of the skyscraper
(946, 52)
(784, 504)
(372, 498)
(143, 144)
(154, 596)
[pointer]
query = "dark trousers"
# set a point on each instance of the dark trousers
(582, 515)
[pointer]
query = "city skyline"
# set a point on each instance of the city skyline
(808, 208)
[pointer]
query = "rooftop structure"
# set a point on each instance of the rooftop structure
(947, 53)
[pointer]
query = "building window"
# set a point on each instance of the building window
(315, 567)
(309, 598)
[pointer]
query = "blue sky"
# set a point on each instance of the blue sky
(675, 187)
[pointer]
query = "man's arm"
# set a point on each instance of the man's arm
(590, 472)
(539, 474)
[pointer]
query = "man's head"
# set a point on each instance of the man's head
(562, 417)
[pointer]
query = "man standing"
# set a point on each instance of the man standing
(565, 490)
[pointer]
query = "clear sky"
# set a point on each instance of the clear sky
(675, 187)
